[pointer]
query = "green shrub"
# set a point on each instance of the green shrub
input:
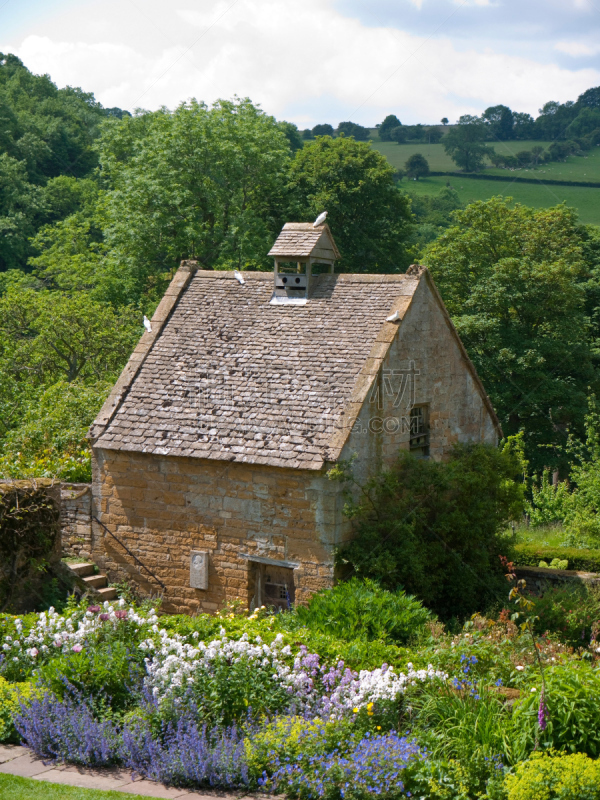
(549, 503)
(530, 555)
(362, 610)
(10, 696)
(436, 529)
(573, 613)
(556, 563)
(555, 776)
(467, 732)
(573, 720)
(287, 737)
(105, 670)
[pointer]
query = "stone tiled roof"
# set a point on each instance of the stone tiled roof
(225, 375)
(301, 238)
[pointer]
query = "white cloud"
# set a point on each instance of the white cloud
(577, 49)
(301, 59)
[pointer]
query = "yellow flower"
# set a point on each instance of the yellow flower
(355, 710)
(379, 727)
(369, 706)
(370, 713)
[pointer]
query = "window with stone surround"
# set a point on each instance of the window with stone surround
(270, 586)
(419, 430)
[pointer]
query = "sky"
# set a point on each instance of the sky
(314, 61)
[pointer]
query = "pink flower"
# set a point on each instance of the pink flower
(77, 648)
(33, 652)
(94, 609)
(58, 643)
(121, 614)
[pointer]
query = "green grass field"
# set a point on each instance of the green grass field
(585, 200)
(576, 168)
(13, 788)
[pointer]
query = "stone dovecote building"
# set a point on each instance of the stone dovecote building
(210, 456)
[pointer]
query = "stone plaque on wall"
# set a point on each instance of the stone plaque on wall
(199, 569)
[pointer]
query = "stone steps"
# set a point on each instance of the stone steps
(97, 583)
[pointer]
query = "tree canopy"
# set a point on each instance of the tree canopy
(371, 220)
(464, 143)
(513, 279)
(387, 126)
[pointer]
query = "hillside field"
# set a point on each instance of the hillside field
(576, 168)
(585, 200)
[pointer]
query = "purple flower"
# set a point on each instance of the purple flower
(94, 609)
(542, 712)
(104, 617)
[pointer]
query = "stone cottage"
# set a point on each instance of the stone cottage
(210, 456)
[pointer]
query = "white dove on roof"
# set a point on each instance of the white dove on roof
(320, 219)
(147, 324)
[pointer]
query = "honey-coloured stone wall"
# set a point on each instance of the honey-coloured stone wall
(164, 508)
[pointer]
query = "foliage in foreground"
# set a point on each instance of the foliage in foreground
(436, 529)
(358, 609)
(521, 286)
(555, 776)
(232, 700)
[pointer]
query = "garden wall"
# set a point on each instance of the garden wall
(539, 579)
(76, 519)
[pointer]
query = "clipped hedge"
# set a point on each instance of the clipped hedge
(530, 555)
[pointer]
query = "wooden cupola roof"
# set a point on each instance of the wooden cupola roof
(301, 241)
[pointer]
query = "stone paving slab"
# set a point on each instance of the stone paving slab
(87, 778)
(10, 751)
(151, 789)
(26, 766)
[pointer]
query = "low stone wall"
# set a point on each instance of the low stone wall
(76, 519)
(539, 579)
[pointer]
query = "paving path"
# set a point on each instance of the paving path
(20, 761)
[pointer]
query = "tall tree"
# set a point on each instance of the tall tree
(417, 166)
(323, 130)
(511, 278)
(370, 219)
(499, 121)
(386, 127)
(353, 129)
(464, 143)
(199, 182)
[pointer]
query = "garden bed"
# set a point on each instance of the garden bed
(247, 703)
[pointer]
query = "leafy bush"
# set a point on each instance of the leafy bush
(11, 695)
(573, 613)
(573, 713)
(555, 776)
(103, 669)
(530, 555)
(549, 503)
(359, 609)
(375, 765)
(556, 563)
(284, 738)
(435, 529)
